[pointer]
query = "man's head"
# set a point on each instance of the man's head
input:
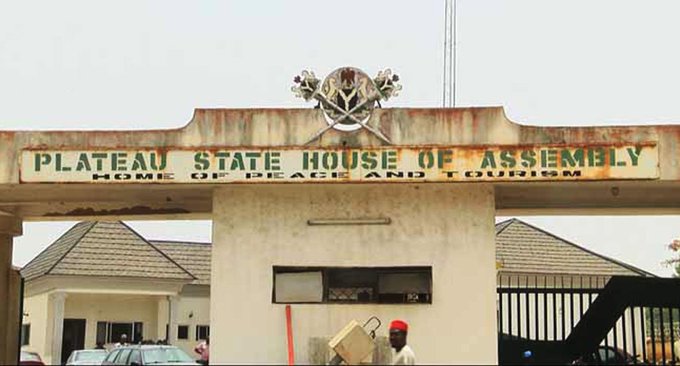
(398, 332)
(123, 338)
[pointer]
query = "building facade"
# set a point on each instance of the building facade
(80, 291)
(101, 280)
(347, 194)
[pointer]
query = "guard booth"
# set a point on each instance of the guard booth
(343, 212)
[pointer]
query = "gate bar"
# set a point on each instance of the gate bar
(500, 307)
(670, 314)
(663, 337)
(623, 328)
(519, 312)
(545, 308)
(536, 308)
(526, 304)
(632, 328)
(562, 306)
(651, 318)
(642, 331)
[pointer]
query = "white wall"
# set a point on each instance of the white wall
(36, 307)
(196, 306)
(449, 227)
(112, 308)
(149, 309)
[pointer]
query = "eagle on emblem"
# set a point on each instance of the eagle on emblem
(347, 96)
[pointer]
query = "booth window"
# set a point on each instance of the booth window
(182, 332)
(351, 285)
(202, 332)
(25, 334)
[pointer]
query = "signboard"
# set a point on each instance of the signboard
(385, 164)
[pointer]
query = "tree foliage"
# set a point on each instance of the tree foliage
(674, 246)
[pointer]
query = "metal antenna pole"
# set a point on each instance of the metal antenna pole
(449, 80)
(454, 25)
(446, 85)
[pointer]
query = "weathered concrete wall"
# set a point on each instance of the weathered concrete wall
(294, 127)
(223, 128)
(273, 127)
(448, 227)
(9, 291)
(13, 315)
(8, 318)
(5, 267)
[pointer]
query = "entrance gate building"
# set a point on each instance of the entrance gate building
(393, 219)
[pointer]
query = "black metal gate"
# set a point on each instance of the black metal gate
(593, 320)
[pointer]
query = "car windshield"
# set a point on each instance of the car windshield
(28, 356)
(98, 355)
(165, 355)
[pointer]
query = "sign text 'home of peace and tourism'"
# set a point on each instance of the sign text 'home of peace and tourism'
(387, 164)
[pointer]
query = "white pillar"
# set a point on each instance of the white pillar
(58, 300)
(173, 302)
(162, 318)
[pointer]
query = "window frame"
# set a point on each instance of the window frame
(326, 274)
(197, 336)
(187, 336)
(25, 334)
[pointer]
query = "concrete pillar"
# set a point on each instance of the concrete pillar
(162, 319)
(10, 321)
(15, 316)
(58, 302)
(448, 227)
(173, 303)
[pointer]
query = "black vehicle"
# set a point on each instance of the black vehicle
(607, 355)
(514, 350)
(148, 355)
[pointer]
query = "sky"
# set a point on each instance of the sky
(102, 65)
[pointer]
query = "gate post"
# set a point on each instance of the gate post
(10, 321)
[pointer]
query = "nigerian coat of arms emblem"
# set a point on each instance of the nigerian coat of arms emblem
(347, 97)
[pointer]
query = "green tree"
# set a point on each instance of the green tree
(674, 246)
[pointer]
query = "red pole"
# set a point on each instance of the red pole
(289, 332)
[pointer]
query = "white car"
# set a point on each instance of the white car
(87, 357)
(141, 355)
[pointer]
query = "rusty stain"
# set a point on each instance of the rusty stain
(135, 210)
(217, 129)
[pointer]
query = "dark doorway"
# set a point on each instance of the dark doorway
(73, 337)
